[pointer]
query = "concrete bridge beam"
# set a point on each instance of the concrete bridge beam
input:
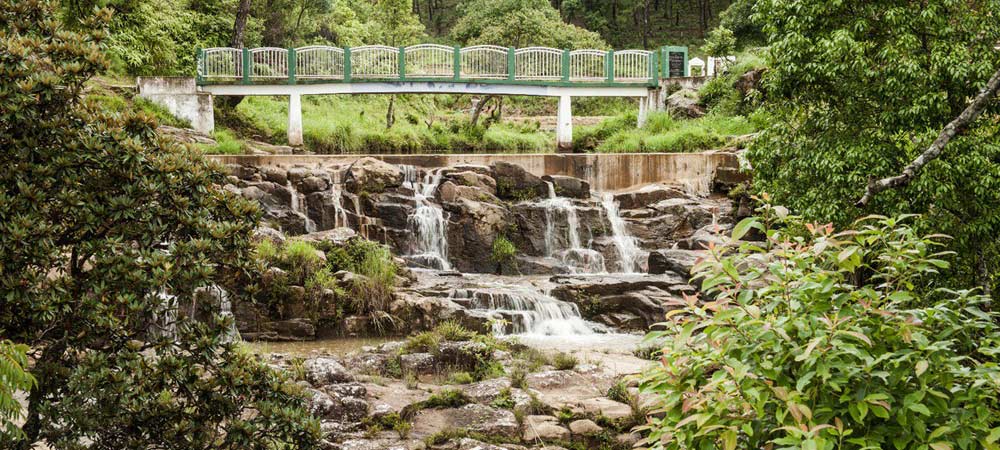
(564, 125)
(295, 120)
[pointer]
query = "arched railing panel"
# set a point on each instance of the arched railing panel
(221, 62)
(484, 62)
(319, 62)
(588, 65)
(269, 62)
(430, 61)
(375, 61)
(538, 63)
(632, 66)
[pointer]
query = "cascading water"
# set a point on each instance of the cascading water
(627, 245)
(526, 310)
(428, 220)
(574, 256)
(339, 213)
(299, 206)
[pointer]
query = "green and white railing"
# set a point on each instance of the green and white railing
(433, 62)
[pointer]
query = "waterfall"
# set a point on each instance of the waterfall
(575, 256)
(339, 213)
(627, 245)
(299, 206)
(428, 221)
(524, 310)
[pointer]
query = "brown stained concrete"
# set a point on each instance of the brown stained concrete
(604, 171)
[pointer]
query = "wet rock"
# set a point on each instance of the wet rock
(337, 236)
(240, 171)
(372, 176)
(298, 329)
(647, 195)
(339, 403)
(675, 261)
(585, 427)
(312, 184)
(473, 179)
(463, 354)
(471, 230)
(451, 192)
(685, 103)
(515, 183)
(323, 371)
(543, 428)
(618, 300)
(569, 186)
(275, 175)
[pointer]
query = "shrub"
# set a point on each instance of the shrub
(460, 378)
(827, 340)
(619, 392)
(503, 253)
(453, 331)
(564, 361)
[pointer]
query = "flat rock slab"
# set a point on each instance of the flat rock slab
(543, 428)
(603, 406)
(472, 417)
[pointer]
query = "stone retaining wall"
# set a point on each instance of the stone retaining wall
(604, 172)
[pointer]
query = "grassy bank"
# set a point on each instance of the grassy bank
(662, 133)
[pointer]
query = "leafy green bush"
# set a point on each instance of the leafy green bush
(503, 253)
(15, 377)
(460, 378)
(827, 340)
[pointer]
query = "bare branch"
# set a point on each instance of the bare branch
(968, 116)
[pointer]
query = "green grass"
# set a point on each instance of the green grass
(356, 124)
(662, 133)
(226, 143)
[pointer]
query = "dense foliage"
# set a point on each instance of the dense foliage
(817, 339)
(858, 89)
(519, 23)
(106, 230)
(14, 377)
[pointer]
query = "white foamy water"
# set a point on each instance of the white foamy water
(574, 255)
(629, 253)
(428, 220)
(526, 310)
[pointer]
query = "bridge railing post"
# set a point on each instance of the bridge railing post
(200, 66)
(609, 66)
(347, 64)
(565, 65)
(292, 62)
(246, 65)
(457, 63)
(654, 60)
(511, 64)
(402, 63)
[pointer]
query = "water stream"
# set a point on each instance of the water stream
(574, 255)
(299, 206)
(428, 220)
(629, 254)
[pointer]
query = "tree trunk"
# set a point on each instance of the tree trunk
(479, 109)
(239, 26)
(390, 113)
(46, 372)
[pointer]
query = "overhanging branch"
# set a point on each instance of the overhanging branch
(968, 116)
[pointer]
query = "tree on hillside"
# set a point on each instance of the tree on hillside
(857, 90)
(393, 23)
(105, 229)
(520, 23)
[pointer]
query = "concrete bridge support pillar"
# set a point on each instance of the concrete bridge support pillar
(643, 111)
(564, 125)
(181, 97)
(295, 120)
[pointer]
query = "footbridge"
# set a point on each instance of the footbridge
(420, 69)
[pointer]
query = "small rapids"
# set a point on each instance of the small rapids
(524, 309)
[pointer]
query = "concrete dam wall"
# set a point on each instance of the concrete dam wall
(604, 171)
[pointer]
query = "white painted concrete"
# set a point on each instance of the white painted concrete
(295, 120)
(643, 111)
(564, 124)
(181, 97)
(425, 87)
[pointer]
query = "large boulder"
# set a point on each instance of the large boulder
(515, 183)
(675, 261)
(543, 428)
(452, 192)
(647, 195)
(472, 227)
(473, 417)
(371, 176)
(473, 179)
(569, 186)
(323, 371)
(685, 103)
